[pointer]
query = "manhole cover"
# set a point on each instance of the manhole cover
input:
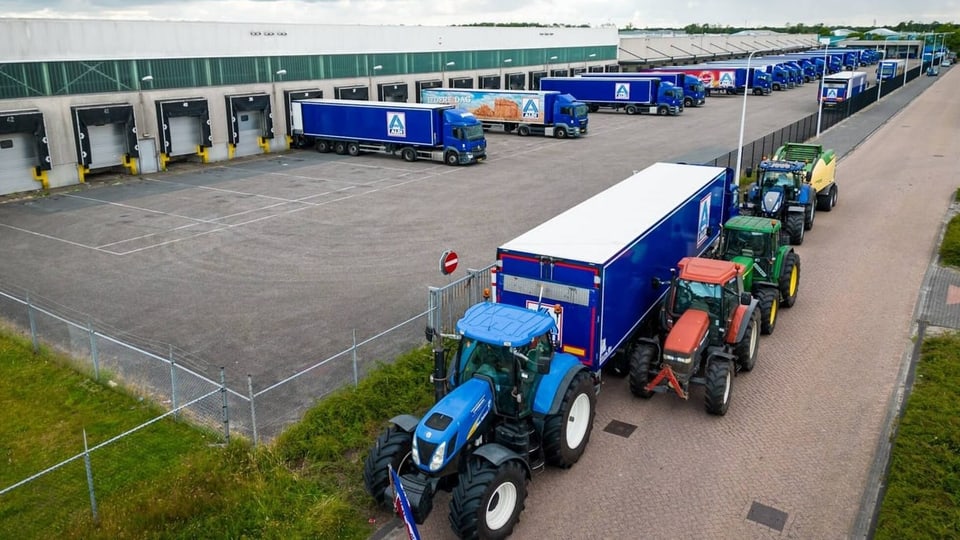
(622, 429)
(767, 515)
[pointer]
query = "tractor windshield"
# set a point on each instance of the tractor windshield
(697, 295)
(751, 244)
(777, 179)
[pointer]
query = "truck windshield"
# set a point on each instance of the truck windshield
(580, 110)
(473, 133)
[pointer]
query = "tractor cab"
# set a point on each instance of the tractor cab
(778, 182)
(752, 242)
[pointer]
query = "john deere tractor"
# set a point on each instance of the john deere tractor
(712, 331)
(771, 270)
(513, 404)
(792, 186)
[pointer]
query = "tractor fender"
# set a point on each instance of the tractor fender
(498, 454)
(782, 253)
(563, 368)
(741, 318)
(406, 422)
(805, 194)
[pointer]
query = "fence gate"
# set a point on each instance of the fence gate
(445, 305)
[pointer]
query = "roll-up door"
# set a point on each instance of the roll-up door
(423, 85)
(106, 136)
(24, 151)
(251, 124)
(395, 92)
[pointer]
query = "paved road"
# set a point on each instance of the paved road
(795, 455)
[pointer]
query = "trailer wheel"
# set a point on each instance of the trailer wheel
(829, 200)
(392, 448)
(789, 279)
(323, 146)
(340, 148)
(662, 110)
(353, 149)
(523, 131)
(769, 304)
(487, 501)
(560, 133)
(810, 213)
(746, 348)
(451, 158)
(566, 434)
(409, 154)
(631, 109)
(643, 359)
(718, 385)
(795, 226)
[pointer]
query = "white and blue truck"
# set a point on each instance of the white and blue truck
(526, 112)
(630, 94)
(410, 131)
(839, 88)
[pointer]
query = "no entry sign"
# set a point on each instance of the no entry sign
(448, 262)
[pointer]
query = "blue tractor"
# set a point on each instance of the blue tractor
(513, 404)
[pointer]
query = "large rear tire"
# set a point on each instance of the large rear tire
(809, 215)
(718, 386)
(795, 227)
(789, 279)
(746, 348)
(643, 358)
(392, 448)
(769, 304)
(487, 501)
(566, 434)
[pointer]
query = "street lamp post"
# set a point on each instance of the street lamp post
(823, 79)
(547, 66)
(589, 56)
(373, 95)
(503, 82)
(443, 71)
(743, 117)
(273, 94)
(880, 68)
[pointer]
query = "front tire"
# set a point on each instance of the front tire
(643, 358)
(662, 110)
(789, 281)
(392, 448)
(718, 386)
(487, 500)
(451, 159)
(746, 348)
(566, 434)
(769, 303)
(560, 133)
(795, 227)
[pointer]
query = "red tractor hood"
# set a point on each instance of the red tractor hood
(687, 333)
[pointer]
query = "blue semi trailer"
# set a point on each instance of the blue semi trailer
(781, 78)
(840, 88)
(726, 80)
(694, 93)
(632, 94)
(600, 269)
(410, 131)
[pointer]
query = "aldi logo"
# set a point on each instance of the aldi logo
(703, 223)
(396, 124)
(530, 108)
(622, 91)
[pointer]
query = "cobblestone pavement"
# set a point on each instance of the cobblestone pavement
(802, 448)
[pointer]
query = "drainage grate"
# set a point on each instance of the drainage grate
(768, 516)
(622, 429)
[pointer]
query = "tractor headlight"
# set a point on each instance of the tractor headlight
(437, 460)
(416, 451)
(677, 359)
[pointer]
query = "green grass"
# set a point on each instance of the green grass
(922, 499)
(950, 247)
(169, 480)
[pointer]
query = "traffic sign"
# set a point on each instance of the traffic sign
(448, 262)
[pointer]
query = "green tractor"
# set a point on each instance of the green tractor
(771, 266)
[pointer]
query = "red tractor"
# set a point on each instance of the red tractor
(712, 328)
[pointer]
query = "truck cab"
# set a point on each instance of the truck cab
(671, 96)
(463, 138)
(568, 111)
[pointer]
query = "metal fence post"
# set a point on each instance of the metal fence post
(353, 352)
(93, 351)
(253, 409)
(33, 326)
(93, 496)
(225, 412)
(173, 384)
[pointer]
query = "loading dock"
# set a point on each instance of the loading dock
(421, 85)
(184, 129)
(250, 125)
(461, 82)
(352, 92)
(24, 151)
(396, 92)
(289, 96)
(488, 82)
(535, 77)
(105, 136)
(514, 81)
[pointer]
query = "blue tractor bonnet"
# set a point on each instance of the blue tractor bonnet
(504, 325)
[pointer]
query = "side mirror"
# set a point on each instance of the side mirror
(745, 298)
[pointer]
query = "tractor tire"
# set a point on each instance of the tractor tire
(488, 500)
(795, 227)
(789, 281)
(769, 306)
(746, 348)
(392, 448)
(566, 434)
(809, 215)
(643, 359)
(718, 385)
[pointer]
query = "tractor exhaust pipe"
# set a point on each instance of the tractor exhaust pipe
(439, 375)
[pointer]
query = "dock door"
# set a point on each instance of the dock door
(289, 96)
(423, 85)
(395, 92)
(184, 128)
(24, 152)
(106, 136)
(250, 124)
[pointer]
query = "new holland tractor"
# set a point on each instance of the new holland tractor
(771, 269)
(514, 404)
(791, 186)
(712, 332)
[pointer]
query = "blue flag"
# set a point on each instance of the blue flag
(402, 506)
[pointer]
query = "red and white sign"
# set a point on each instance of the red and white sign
(448, 262)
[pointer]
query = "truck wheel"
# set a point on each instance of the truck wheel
(794, 226)
(560, 133)
(487, 501)
(643, 358)
(392, 448)
(757, 92)
(789, 279)
(810, 213)
(409, 154)
(769, 303)
(565, 435)
(662, 110)
(523, 131)
(451, 158)
(340, 148)
(631, 109)
(688, 102)
(353, 149)
(746, 348)
(323, 146)
(718, 385)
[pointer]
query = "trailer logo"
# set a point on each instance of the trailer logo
(703, 227)
(396, 124)
(831, 93)
(726, 79)
(530, 108)
(622, 91)
(557, 317)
